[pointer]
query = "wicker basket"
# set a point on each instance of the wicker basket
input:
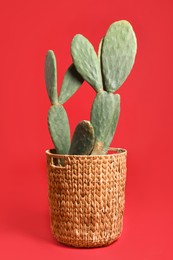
(86, 197)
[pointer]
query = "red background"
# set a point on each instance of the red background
(28, 29)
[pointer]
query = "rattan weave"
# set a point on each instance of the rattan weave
(86, 197)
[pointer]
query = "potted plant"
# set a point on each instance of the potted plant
(86, 177)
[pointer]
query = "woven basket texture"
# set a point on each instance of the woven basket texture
(86, 197)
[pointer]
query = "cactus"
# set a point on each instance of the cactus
(51, 77)
(71, 82)
(59, 128)
(58, 123)
(104, 117)
(86, 61)
(105, 72)
(116, 56)
(83, 138)
(114, 123)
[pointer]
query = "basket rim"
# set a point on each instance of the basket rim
(118, 152)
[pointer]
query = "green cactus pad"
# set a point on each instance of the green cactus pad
(51, 76)
(114, 122)
(118, 54)
(86, 61)
(83, 139)
(71, 82)
(59, 128)
(102, 114)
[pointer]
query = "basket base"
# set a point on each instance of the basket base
(86, 243)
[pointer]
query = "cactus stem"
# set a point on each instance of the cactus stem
(100, 90)
(55, 104)
(97, 148)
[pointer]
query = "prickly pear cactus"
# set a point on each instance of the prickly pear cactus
(51, 77)
(59, 128)
(58, 123)
(118, 54)
(104, 116)
(86, 61)
(114, 122)
(71, 82)
(83, 138)
(105, 72)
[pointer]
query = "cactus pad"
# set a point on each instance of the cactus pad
(102, 114)
(59, 128)
(71, 82)
(51, 76)
(86, 61)
(118, 54)
(83, 139)
(114, 122)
